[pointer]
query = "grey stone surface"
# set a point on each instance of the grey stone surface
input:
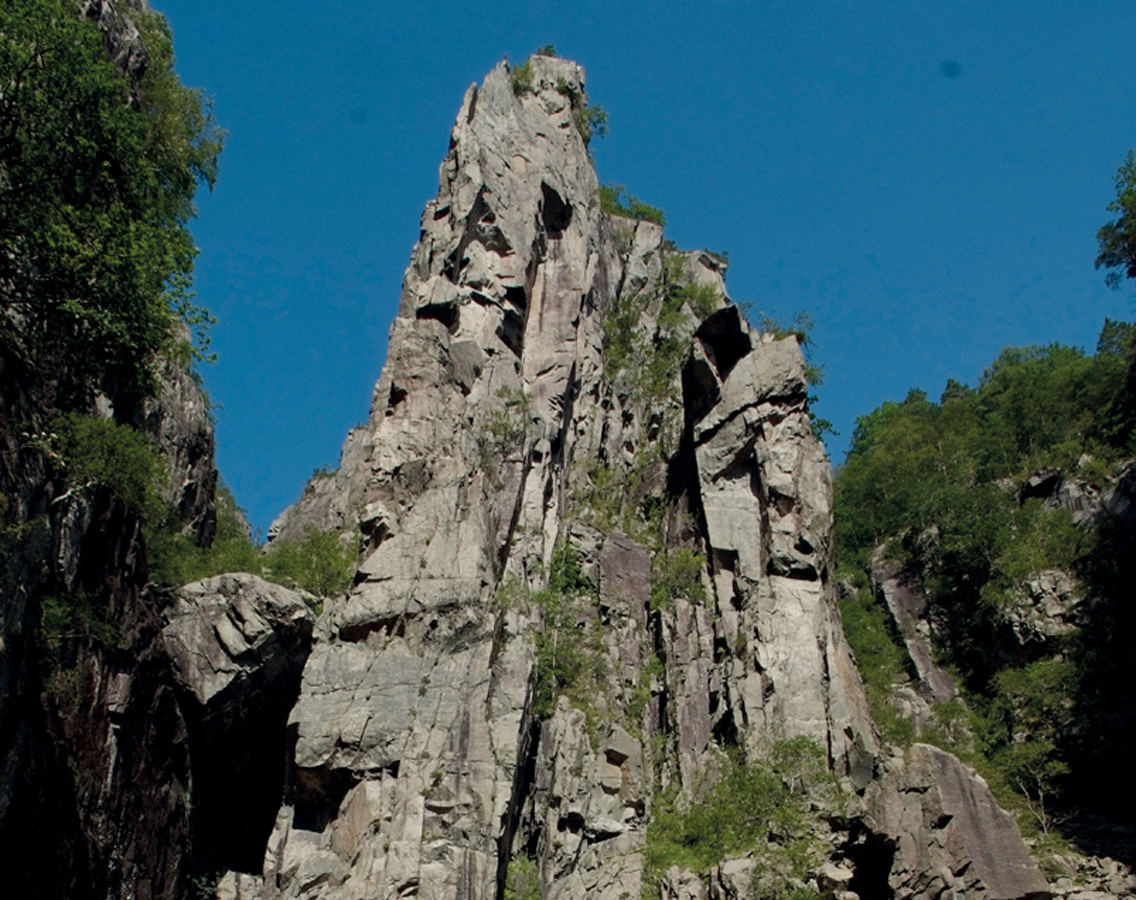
(232, 639)
(495, 434)
(907, 607)
(178, 420)
(949, 833)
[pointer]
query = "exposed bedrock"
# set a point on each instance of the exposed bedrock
(426, 752)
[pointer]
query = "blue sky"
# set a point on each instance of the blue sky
(926, 180)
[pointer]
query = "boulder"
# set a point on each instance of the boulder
(947, 832)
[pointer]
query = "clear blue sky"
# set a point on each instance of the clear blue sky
(925, 179)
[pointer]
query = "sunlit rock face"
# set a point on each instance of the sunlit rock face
(419, 761)
(594, 536)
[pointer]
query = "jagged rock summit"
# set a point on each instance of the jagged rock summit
(593, 528)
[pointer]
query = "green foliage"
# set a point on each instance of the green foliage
(800, 326)
(1115, 337)
(504, 430)
(679, 294)
(507, 426)
(652, 361)
(620, 335)
(569, 645)
(546, 50)
(915, 464)
(880, 657)
(1116, 240)
(940, 482)
(99, 177)
(204, 886)
(101, 452)
(612, 203)
(318, 563)
(590, 121)
(65, 617)
(523, 78)
(522, 879)
(177, 559)
(677, 574)
(605, 497)
(763, 807)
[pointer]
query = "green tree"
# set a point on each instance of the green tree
(97, 177)
(318, 563)
(1116, 240)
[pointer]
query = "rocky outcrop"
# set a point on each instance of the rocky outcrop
(593, 528)
(232, 639)
(947, 834)
(543, 474)
(178, 422)
(122, 41)
(903, 595)
(472, 470)
(1048, 607)
(236, 647)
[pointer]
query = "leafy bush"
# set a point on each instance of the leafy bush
(760, 807)
(1117, 239)
(611, 202)
(677, 574)
(569, 652)
(99, 451)
(177, 559)
(523, 78)
(941, 482)
(590, 121)
(319, 563)
(620, 337)
(880, 658)
(522, 879)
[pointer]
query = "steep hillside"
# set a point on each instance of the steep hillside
(996, 527)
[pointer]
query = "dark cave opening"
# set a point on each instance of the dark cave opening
(872, 856)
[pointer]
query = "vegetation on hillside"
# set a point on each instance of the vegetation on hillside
(766, 807)
(957, 490)
(614, 202)
(321, 562)
(944, 485)
(98, 175)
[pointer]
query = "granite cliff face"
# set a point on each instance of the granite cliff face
(593, 570)
(562, 385)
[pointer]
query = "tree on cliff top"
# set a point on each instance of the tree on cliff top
(1117, 243)
(1117, 239)
(97, 176)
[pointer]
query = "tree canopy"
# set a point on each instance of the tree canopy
(97, 176)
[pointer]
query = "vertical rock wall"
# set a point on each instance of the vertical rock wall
(419, 765)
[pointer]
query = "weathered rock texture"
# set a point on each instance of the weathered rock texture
(948, 835)
(429, 747)
(908, 607)
(178, 421)
(593, 528)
